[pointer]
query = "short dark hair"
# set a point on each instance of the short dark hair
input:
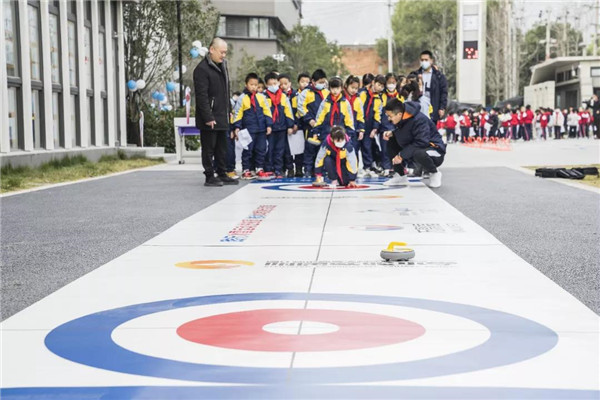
(528, 107)
(389, 76)
(380, 79)
(237, 93)
(271, 75)
(335, 82)
(252, 75)
(352, 79)
(338, 132)
(367, 79)
(426, 53)
(303, 75)
(260, 81)
(394, 105)
(318, 75)
(284, 76)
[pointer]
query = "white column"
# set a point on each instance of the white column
(121, 77)
(84, 123)
(4, 139)
(110, 74)
(96, 74)
(65, 77)
(48, 126)
(25, 62)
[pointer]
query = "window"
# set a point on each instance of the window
(595, 71)
(90, 106)
(87, 51)
(56, 119)
(101, 14)
(259, 28)
(36, 116)
(560, 77)
(221, 29)
(74, 114)
(237, 26)
(102, 122)
(72, 54)
(13, 120)
(54, 49)
(34, 42)
(102, 61)
(10, 35)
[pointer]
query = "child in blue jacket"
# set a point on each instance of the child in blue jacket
(253, 113)
(283, 123)
(338, 158)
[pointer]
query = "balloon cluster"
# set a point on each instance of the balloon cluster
(136, 85)
(197, 49)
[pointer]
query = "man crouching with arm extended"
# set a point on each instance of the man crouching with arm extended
(415, 139)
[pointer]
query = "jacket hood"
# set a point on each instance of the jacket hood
(412, 107)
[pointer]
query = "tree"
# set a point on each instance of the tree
(421, 25)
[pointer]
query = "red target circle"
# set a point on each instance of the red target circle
(243, 330)
(336, 188)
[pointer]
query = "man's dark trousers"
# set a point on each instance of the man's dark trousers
(214, 144)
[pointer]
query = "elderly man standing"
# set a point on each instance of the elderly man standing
(435, 85)
(211, 83)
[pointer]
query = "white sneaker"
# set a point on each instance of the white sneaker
(397, 180)
(361, 173)
(435, 179)
(371, 174)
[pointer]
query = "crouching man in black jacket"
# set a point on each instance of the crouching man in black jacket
(414, 138)
(211, 84)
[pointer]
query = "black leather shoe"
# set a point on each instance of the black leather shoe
(227, 180)
(213, 181)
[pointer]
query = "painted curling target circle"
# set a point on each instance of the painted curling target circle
(307, 187)
(244, 330)
(87, 340)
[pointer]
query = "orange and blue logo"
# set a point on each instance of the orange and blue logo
(213, 264)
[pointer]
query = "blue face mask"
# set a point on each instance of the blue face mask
(320, 86)
(273, 89)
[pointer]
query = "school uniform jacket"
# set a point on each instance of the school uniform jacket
(345, 157)
(357, 111)
(283, 117)
(252, 112)
(334, 112)
(373, 108)
(309, 101)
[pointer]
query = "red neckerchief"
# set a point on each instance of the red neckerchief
(370, 102)
(338, 160)
(276, 100)
(350, 98)
(392, 95)
(335, 108)
(253, 100)
(289, 93)
(320, 93)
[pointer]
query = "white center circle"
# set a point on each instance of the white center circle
(300, 328)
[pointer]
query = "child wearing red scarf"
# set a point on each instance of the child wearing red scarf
(338, 158)
(283, 123)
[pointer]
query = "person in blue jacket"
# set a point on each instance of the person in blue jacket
(334, 110)
(338, 158)
(435, 85)
(414, 138)
(283, 123)
(253, 113)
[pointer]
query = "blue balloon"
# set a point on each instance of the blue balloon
(170, 86)
(132, 85)
(161, 96)
(194, 52)
(155, 95)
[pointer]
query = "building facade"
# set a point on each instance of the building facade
(62, 79)
(563, 82)
(471, 51)
(362, 59)
(251, 28)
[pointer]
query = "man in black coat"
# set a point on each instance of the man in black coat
(435, 85)
(594, 106)
(414, 138)
(211, 84)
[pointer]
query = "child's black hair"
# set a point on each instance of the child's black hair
(271, 75)
(318, 75)
(389, 76)
(380, 79)
(284, 76)
(260, 81)
(335, 82)
(427, 53)
(252, 75)
(367, 79)
(352, 79)
(338, 132)
(394, 105)
(237, 93)
(303, 75)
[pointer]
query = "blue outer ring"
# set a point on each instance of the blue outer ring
(280, 188)
(87, 340)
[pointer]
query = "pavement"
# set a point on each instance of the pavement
(52, 237)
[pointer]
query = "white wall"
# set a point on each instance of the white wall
(540, 95)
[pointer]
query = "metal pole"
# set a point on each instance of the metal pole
(389, 41)
(547, 34)
(180, 53)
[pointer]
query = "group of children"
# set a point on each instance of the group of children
(272, 111)
(516, 124)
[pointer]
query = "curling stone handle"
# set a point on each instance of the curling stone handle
(392, 245)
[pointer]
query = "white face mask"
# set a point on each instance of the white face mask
(391, 88)
(273, 89)
(320, 86)
(339, 145)
(425, 64)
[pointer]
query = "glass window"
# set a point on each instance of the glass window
(90, 105)
(253, 32)
(88, 10)
(56, 119)
(264, 28)
(72, 7)
(74, 113)
(221, 29)
(237, 27)
(72, 54)
(10, 35)
(102, 60)
(101, 14)
(595, 71)
(13, 126)
(36, 115)
(102, 122)
(34, 42)
(87, 50)
(54, 49)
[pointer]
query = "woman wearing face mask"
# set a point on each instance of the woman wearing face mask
(412, 92)
(338, 158)
(372, 107)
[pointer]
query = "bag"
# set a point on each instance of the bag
(573, 173)
(587, 170)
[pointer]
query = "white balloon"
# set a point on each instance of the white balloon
(197, 44)
(141, 84)
(165, 101)
(168, 107)
(202, 51)
(184, 68)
